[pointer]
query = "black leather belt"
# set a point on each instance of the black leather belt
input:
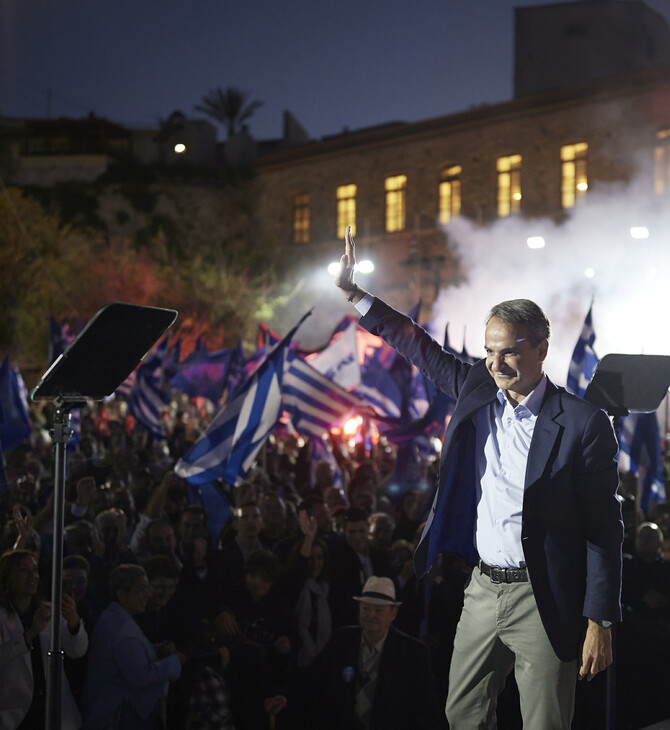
(504, 575)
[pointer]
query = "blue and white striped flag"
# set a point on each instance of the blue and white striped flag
(227, 449)
(147, 399)
(584, 359)
(313, 401)
(640, 454)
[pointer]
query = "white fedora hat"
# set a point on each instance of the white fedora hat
(380, 591)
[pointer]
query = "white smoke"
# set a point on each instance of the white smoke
(630, 285)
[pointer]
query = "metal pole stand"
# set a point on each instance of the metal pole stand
(55, 658)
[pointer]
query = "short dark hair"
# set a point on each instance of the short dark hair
(355, 514)
(265, 564)
(195, 509)
(78, 562)
(123, 577)
(161, 566)
(523, 313)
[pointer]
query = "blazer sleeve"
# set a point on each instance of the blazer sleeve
(603, 523)
(139, 668)
(447, 372)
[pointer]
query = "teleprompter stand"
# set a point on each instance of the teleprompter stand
(102, 356)
(624, 384)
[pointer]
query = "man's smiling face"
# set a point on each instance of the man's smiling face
(514, 364)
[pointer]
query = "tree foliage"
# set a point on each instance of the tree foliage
(199, 255)
(229, 107)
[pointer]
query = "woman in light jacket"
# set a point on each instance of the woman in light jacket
(24, 643)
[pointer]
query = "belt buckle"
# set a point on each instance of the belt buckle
(497, 575)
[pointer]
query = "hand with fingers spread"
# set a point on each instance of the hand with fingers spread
(344, 279)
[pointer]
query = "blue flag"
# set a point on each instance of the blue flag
(14, 420)
(228, 447)
(204, 374)
(147, 399)
(584, 360)
(640, 454)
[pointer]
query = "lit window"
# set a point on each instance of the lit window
(395, 202)
(301, 218)
(346, 210)
(574, 180)
(662, 162)
(450, 193)
(509, 185)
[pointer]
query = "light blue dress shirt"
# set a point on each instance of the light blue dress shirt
(504, 433)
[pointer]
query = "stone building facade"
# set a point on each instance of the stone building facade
(535, 156)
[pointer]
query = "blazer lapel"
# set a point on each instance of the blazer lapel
(547, 430)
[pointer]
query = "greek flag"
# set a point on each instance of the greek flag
(228, 447)
(146, 399)
(584, 359)
(312, 400)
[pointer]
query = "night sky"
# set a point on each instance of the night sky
(352, 63)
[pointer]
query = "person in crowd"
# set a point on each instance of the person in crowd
(203, 575)
(527, 490)
(247, 525)
(160, 539)
(166, 502)
(381, 528)
(352, 562)
(275, 522)
(200, 698)
(76, 577)
(257, 626)
(644, 637)
(111, 532)
(127, 673)
(373, 676)
(312, 611)
(25, 638)
(335, 498)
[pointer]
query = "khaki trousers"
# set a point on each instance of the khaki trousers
(500, 630)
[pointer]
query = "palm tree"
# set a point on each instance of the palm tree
(229, 107)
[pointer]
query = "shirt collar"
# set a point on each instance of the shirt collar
(531, 403)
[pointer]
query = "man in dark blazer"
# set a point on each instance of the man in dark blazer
(527, 490)
(351, 561)
(375, 677)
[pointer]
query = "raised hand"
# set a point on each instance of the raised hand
(344, 278)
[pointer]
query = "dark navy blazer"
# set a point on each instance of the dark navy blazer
(571, 523)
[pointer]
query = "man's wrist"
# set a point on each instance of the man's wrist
(602, 623)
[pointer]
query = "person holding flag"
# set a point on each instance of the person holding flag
(527, 492)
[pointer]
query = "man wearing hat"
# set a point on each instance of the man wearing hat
(373, 676)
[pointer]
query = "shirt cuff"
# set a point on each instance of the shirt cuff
(365, 303)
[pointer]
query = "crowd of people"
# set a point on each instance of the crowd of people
(167, 625)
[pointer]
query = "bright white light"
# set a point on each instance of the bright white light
(352, 425)
(180, 148)
(639, 232)
(362, 267)
(582, 187)
(535, 242)
(589, 273)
